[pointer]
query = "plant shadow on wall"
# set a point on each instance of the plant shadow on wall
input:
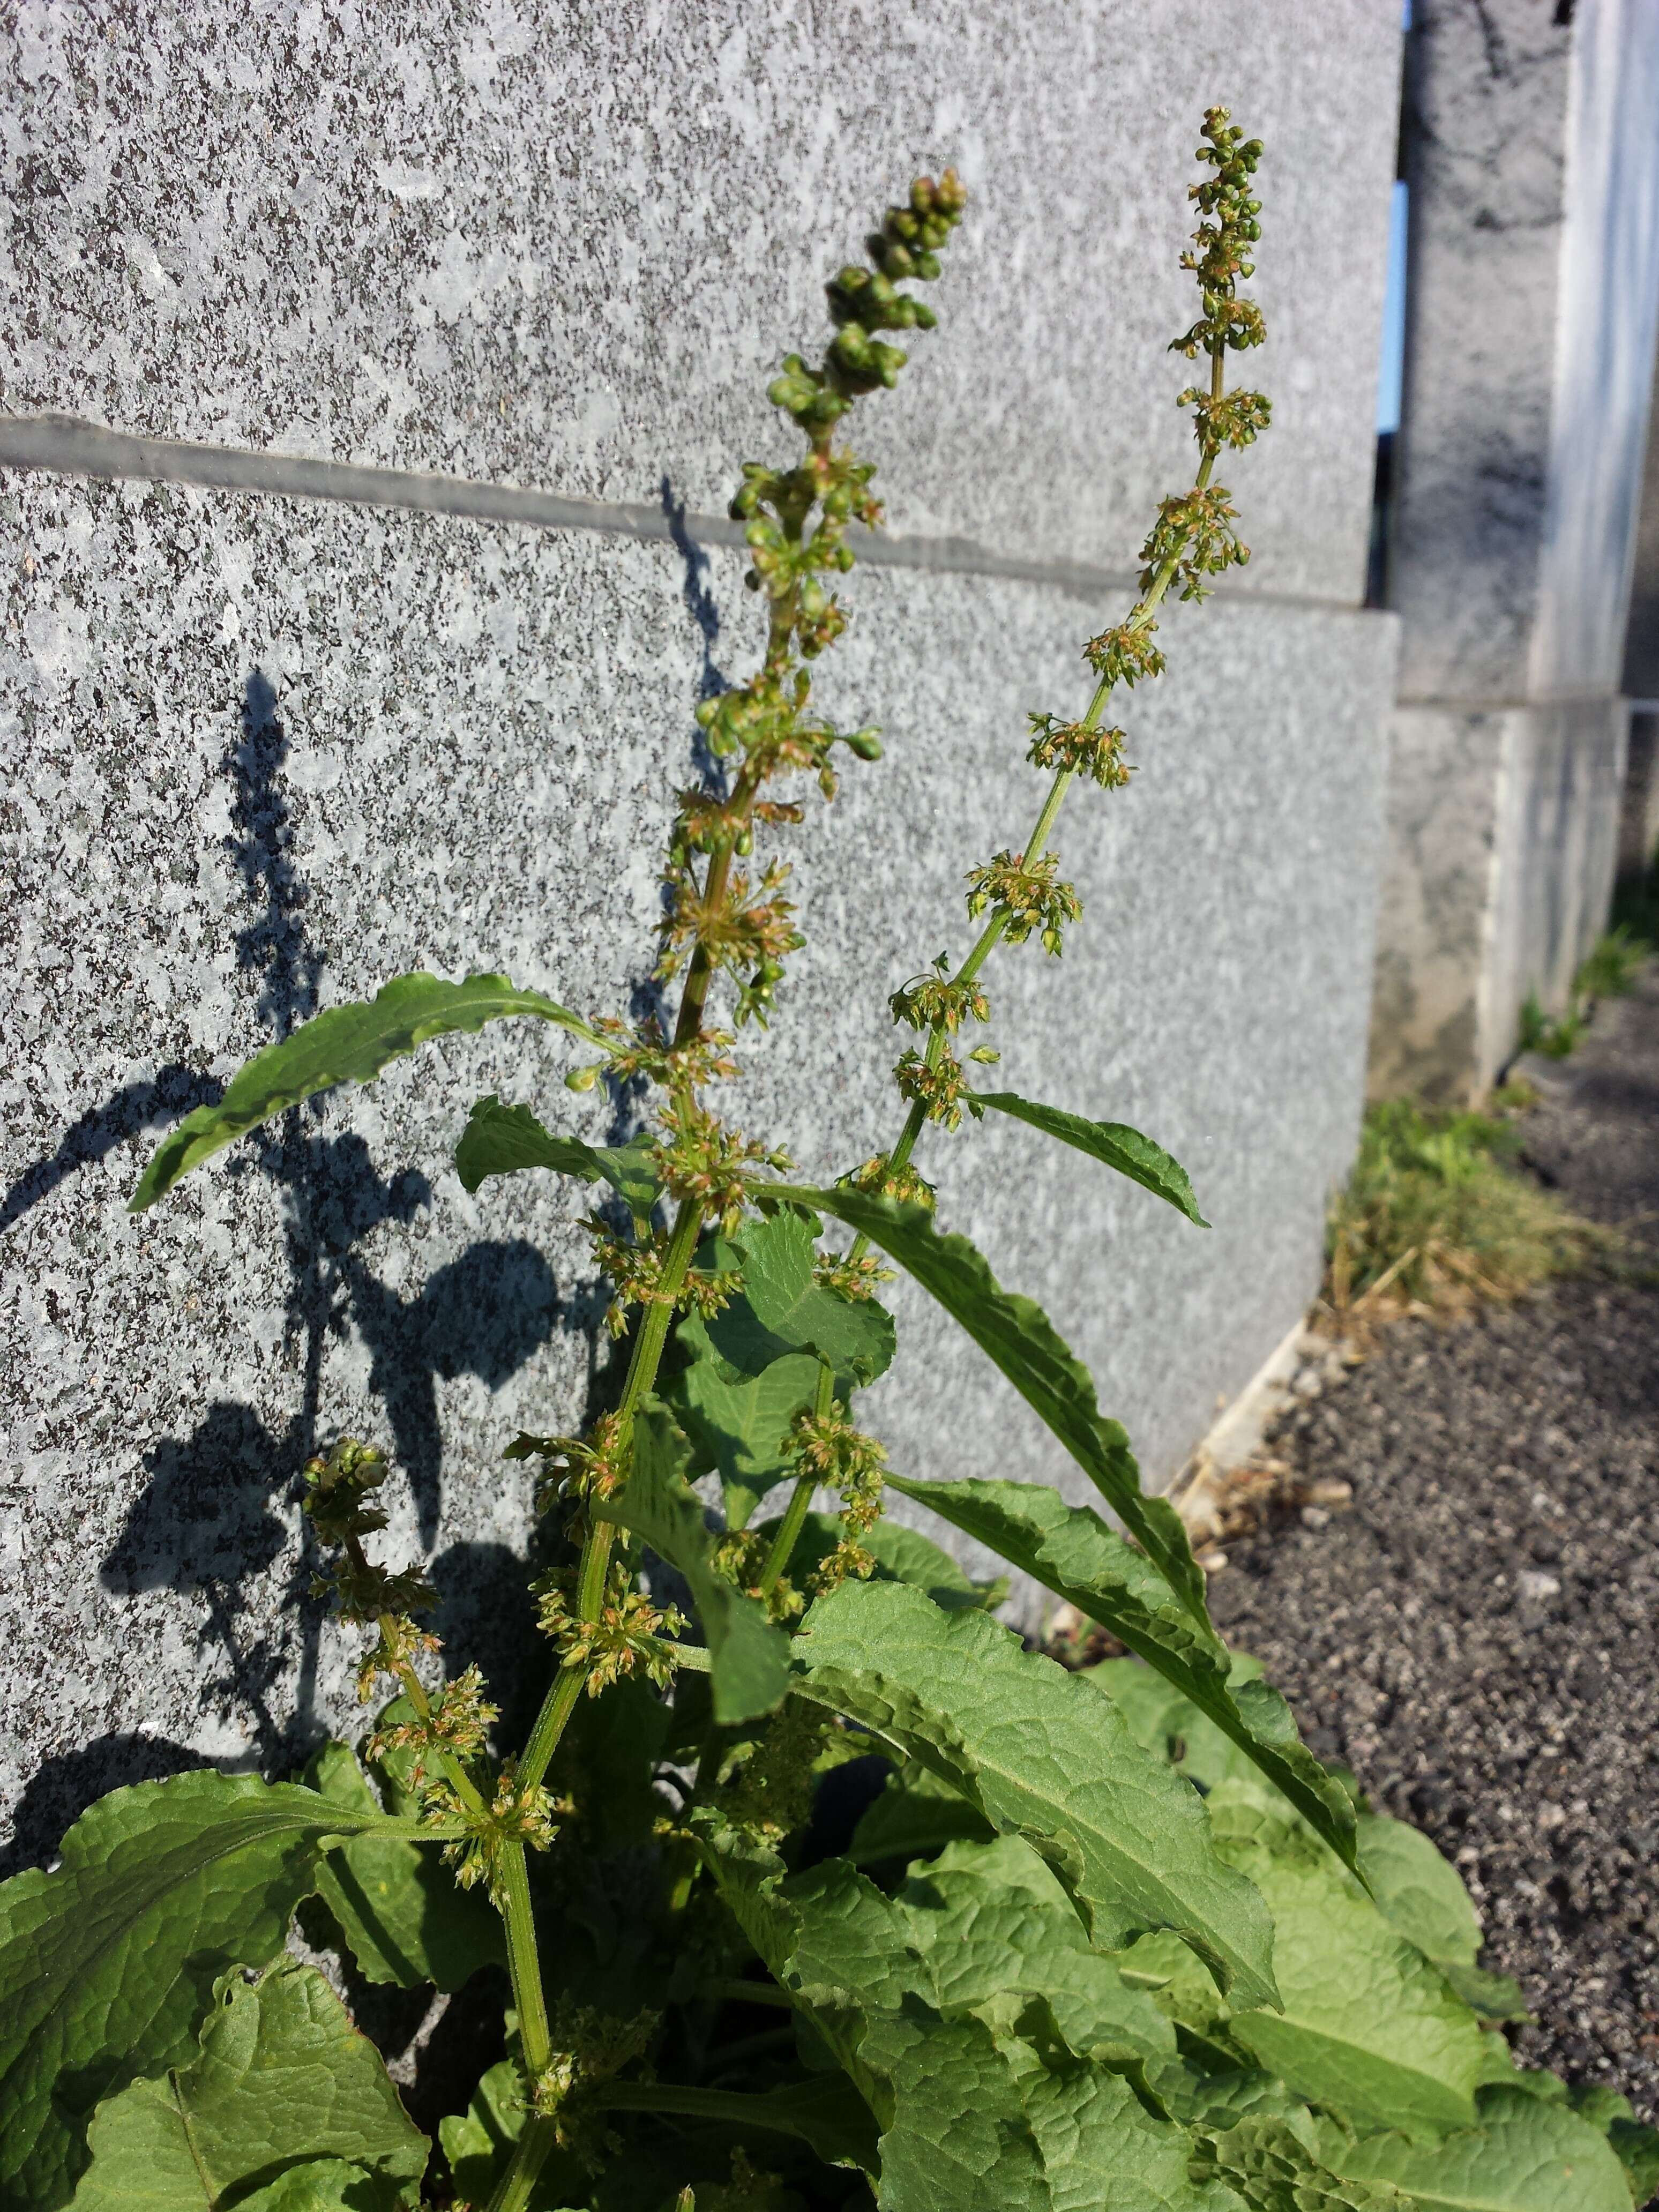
(203, 1524)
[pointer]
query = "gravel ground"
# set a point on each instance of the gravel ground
(1477, 1635)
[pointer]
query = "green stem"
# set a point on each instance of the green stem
(513, 2190)
(990, 937)
(757, 1993)
(523, 1963)
(567, 1686)
(735, 2106)
(800, 1499)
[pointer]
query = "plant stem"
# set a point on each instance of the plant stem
(523, 1966)
(738, 2107)
(561, 1700)
(758, 1993)
(988, 937)
(414, 1689)
(513, 2190)
(522, 1961)
(800, 1499)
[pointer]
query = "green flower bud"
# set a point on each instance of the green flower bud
(584, 1079)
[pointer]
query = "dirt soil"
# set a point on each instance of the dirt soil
(1478, 1636)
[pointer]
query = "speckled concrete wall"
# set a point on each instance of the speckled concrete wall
(262, 752)
(1533, 167)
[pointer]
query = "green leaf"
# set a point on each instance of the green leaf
(321, 2184)
(108, 1962)
(1265, 2160)
(282, 2079)
(1018, 1337)
(1526, 2155)
(1033, 1751)
(824, 2111)
(997, 1932)
(737, 1423)
(915, 1815)
(752, 1367)
(1071, 1550)
(982, 2104)
(1492, 1996)
(1113, 1142)
(750, 1657)
(348, 1044)
(397, 1907)
(1635, 2146)
(478, 2142)
(901, 1555)
(504, 1139)
(1418, 1891)
(1368, 2027)
(783, 1307)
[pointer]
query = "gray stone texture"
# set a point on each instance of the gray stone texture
(568, 244)
(269, 753)
(1533, 173)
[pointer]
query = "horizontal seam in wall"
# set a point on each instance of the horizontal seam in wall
(1499, 705)
(66, 445)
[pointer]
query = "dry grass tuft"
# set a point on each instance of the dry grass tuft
(1436, 1221)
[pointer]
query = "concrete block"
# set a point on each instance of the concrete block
(1533, 176)
(1503, 837)
(269, 754)
(566, 245)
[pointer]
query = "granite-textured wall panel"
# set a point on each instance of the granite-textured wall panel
(268, 754)
(567, 245)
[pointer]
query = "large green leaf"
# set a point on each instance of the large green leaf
(938, 2003)
(750, 1369)
(1038, 1754)
(506, 1140)
(1527, 2154)
(1017, 1336)
(1266, 2161)
(1418, 1891)
(397, 1907)
(1422, 1895)
(750, 1657)
(281, 2080)
(783, 1307)
(997, 1932)
(1113, 1142)
(1071, 1550)
(348, 1044)
(1368, 2027)
(739, 1424)
(108, 1962)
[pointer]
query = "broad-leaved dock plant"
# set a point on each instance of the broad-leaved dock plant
(1107, 1941)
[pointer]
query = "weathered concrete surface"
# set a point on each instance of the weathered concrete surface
(272, 752)
(568, 245)
(1533, 174)
(339, 759)
(1503, 844)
